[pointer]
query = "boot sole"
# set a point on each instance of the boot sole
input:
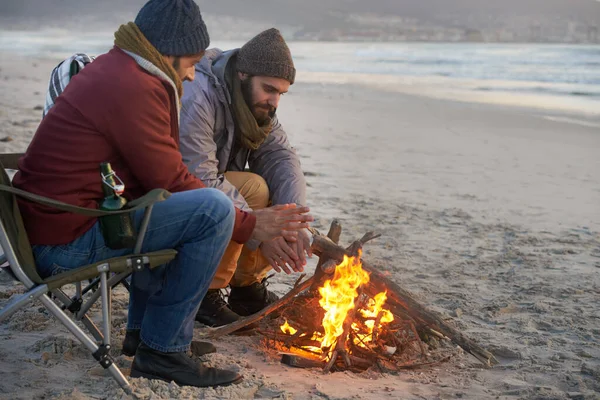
(197, 353)
(139, 374)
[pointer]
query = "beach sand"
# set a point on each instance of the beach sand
(489, 214)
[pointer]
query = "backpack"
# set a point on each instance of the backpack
(61, 76)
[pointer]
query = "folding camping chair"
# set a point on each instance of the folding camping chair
(18, 253)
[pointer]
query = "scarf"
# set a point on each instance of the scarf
(248, 133)
(129, 37)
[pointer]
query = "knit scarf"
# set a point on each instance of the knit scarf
(249, 134)
(129, 37)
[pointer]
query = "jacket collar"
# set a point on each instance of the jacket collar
(214, 64)
(154, 70)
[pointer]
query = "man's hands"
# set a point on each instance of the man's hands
(302, 247)
(283, 220)
(282, 255)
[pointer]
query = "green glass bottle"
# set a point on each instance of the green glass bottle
(117, 230)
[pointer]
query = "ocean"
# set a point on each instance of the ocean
(539, 75)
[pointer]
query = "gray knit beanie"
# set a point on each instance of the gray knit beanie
(267, 54)
(174, 27)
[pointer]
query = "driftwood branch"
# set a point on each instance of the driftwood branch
(335, 231)
(367, 237)
(326, 266)
(243, 322)
(401, 301)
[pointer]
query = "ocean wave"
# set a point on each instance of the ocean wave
(544, 90)
(420, 62)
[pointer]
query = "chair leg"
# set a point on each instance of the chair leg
(99, 352)
(21, 301)
(78, 293)
(106, 303)
(74, 305)
(112, 282)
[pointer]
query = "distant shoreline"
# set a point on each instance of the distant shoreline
(513, 75)
(350, 41)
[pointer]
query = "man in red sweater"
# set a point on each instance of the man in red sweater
(124, 109)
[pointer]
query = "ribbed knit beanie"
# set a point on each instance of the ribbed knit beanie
(174, 27)
(267, 54)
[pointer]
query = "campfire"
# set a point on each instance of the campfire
(350, 316)
(341, 326)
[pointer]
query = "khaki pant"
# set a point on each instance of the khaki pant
(241, 266)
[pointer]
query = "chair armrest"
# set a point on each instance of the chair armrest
(10, 160)
(116, 264)
(150, 198)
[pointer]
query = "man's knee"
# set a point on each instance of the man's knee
(255, 191)
(216, 204)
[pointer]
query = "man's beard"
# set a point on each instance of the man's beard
(263, 112)
(176, 64)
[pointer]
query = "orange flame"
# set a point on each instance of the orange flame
(287, 329)
(337, 297)
(374, 307)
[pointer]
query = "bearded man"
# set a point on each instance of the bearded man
(229, 121)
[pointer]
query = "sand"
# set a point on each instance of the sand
(489, 215)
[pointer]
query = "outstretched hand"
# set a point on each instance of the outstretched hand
(280, 254)
(288, 257)
(283, 220)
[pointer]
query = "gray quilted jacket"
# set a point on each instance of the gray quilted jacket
(207, 139)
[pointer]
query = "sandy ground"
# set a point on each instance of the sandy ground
(490, 215)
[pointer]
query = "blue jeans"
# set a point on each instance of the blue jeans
(163, 302)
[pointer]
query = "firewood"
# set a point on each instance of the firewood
(335, 231)
(376, 325)
(328, 267)
(243, 322)
(325, 266)
(331, 362)
(298, 361)
(414, 330)
(305, 342)
(294, 338)
(340, 344)
(401, 301)
(368, 237)
(360, 362)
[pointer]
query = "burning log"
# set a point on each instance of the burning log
(328, 267)
(295, 360)
(401, 302)
(340, 344)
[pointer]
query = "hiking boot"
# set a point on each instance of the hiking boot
(214, 310)
(178, 367)
(247, 300)
(132, 341)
